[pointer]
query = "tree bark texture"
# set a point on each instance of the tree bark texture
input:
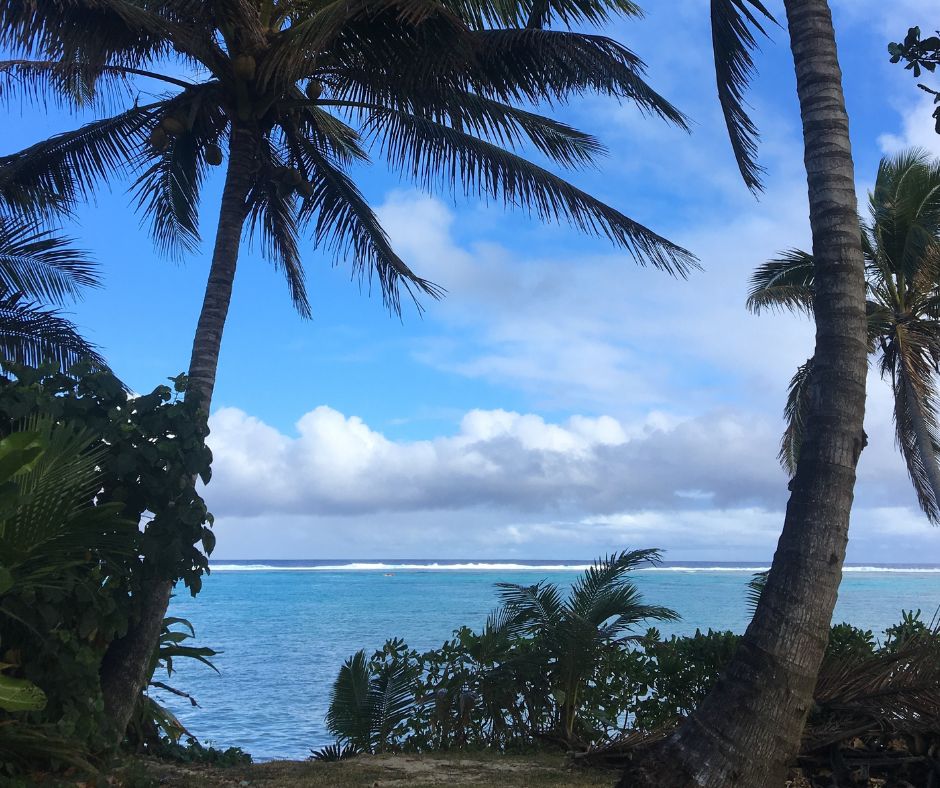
(125, 669)
(748, 729)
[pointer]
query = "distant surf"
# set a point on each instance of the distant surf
(409, 565)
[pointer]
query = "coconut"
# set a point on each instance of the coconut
(173, 125)
(213, 154)
(294, 177)
(244, 66)
(159, 140)
(305, 189)
(314, 90)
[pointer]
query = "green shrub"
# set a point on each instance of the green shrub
(102, 460)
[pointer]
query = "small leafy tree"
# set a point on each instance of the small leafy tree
(919, 55)
(600, 614)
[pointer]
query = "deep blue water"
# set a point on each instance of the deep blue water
(285, 627)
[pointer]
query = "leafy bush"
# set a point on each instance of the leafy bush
(570, 671)
(61, 552)
(542, 668)
(91, 463)
(679, 673)
(850, 643)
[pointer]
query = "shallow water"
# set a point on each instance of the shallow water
(284, 628)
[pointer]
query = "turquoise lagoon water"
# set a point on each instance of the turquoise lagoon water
(285, 627)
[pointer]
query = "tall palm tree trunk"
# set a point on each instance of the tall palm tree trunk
(748, 729)
(124, 672)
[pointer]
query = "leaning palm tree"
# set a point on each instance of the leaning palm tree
(748, 728)
(601, 612)
(40, 271)
(298, 93)
(901, 240)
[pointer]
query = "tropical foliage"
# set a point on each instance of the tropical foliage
(544, 666)
(62, 555)
(504, 687)
(81, 463)
(901, 241)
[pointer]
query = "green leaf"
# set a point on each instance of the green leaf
(20, 695)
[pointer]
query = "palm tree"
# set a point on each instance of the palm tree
(901, 241)
(297, 92)
(748, 728)
(601, 611)
(38, 267)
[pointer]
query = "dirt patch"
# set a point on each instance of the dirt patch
(378, 771)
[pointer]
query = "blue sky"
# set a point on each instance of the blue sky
(560, 402)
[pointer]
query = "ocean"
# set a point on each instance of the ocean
(284, 627)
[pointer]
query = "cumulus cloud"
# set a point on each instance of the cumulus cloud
(519, 462)
(582, 467)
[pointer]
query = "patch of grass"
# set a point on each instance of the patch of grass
(451, 769)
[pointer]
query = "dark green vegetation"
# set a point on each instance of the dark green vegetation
(549, 673)
(902, 268)
(81, 463)
(919, 55)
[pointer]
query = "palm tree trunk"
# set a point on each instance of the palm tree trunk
(748, 729)
(125, 669)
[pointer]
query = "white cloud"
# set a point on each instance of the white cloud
(917, 129)
(582, 467)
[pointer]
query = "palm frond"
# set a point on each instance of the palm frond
(536, 606)
(908, 358)
(438, 155)
(905, 206)
(794, 414)
(65, 85)
(272, 217)
(890, 691)
(345, 224)
(734, 23)
(348, 718)
(785, 283)
(755, 589)
(70, 165)
(605, 582)
(542, 13)
(41, 264)
(508, 66)
(31, 335)
(391, 699)
(102, 31)
(507, 126)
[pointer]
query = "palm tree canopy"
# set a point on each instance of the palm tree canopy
(444, 91)
(901, 242)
